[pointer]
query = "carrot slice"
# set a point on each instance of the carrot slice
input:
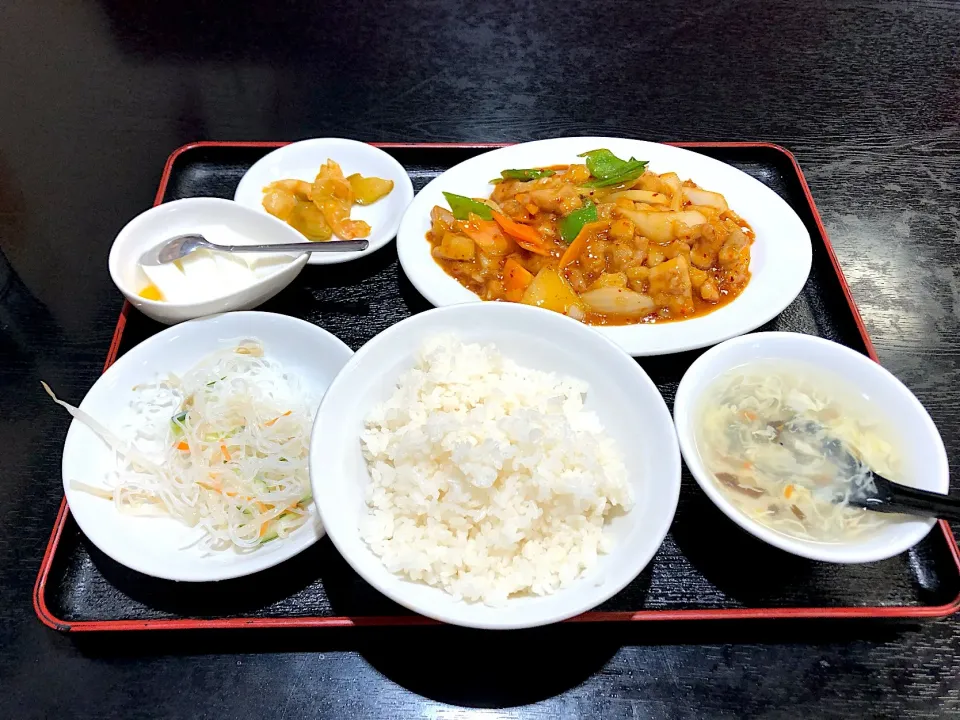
(268, 423)
(515, 275)
(579, 244)
(517, 231)
(182, 445)
(532, 209)
(535, 249)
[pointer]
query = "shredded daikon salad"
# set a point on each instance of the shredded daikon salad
(789, 445)
(224, 448)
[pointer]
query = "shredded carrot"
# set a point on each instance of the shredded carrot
(788, 491)
(226, 453)
(579, 244)
(517, 231)
(515, 275)
(747, 465)
(750, 415)
(268, 423)
(182, 445)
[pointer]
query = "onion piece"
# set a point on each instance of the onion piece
(618, 301)
(647, 196)
(697, 196)
(660, 227)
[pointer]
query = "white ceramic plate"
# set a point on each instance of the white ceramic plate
(163, 547)
(301, 160)
(625, 399)
(780, 257)
(924, 460)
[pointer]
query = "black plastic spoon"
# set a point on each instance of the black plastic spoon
(890, 496)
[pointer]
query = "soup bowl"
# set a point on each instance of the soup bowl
(922, 454)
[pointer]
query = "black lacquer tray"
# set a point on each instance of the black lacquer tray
(707, 568)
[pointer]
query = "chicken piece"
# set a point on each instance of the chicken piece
(577, 280)
(593, 260)
(705, 249)
(670, 287)
(733, 250)
(563, 199)
(655, 256)
(620, 255)
(622, 230)
(442, 221)
(697, 277)
(709, 291)
(507, 190)
(638, 277)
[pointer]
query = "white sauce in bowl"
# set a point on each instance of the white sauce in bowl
(206, 275)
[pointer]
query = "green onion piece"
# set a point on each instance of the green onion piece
(526, 174)
(461, 207)
(573, 223)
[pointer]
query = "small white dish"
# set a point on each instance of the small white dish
(628, 405)
(164, 547)
(301, 160)
(194, 215)
(924, 457)
(780, 256)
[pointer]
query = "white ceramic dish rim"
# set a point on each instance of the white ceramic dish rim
(298, 541)
(129, 230)
(641, 562)
(841, 553)
(778, 277)
(382, 233)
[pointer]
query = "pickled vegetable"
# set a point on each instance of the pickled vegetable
(309, 220)
(367, 190)
(321, 209)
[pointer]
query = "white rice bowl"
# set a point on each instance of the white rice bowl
(583, 557)
(488, 479)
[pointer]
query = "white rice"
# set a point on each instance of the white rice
(488, 479)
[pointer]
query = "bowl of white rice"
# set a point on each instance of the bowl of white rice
(495, 466)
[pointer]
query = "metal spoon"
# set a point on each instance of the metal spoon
(183, 245)
(889, 497)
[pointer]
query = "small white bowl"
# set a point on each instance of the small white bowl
(161, 546)
(628, 405)
(301, 160)
(163, 222)
(924, 459)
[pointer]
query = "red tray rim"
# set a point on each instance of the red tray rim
(852, 612)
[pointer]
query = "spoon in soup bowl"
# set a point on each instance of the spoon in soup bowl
(806, 438)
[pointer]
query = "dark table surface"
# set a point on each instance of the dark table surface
(95, 95)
